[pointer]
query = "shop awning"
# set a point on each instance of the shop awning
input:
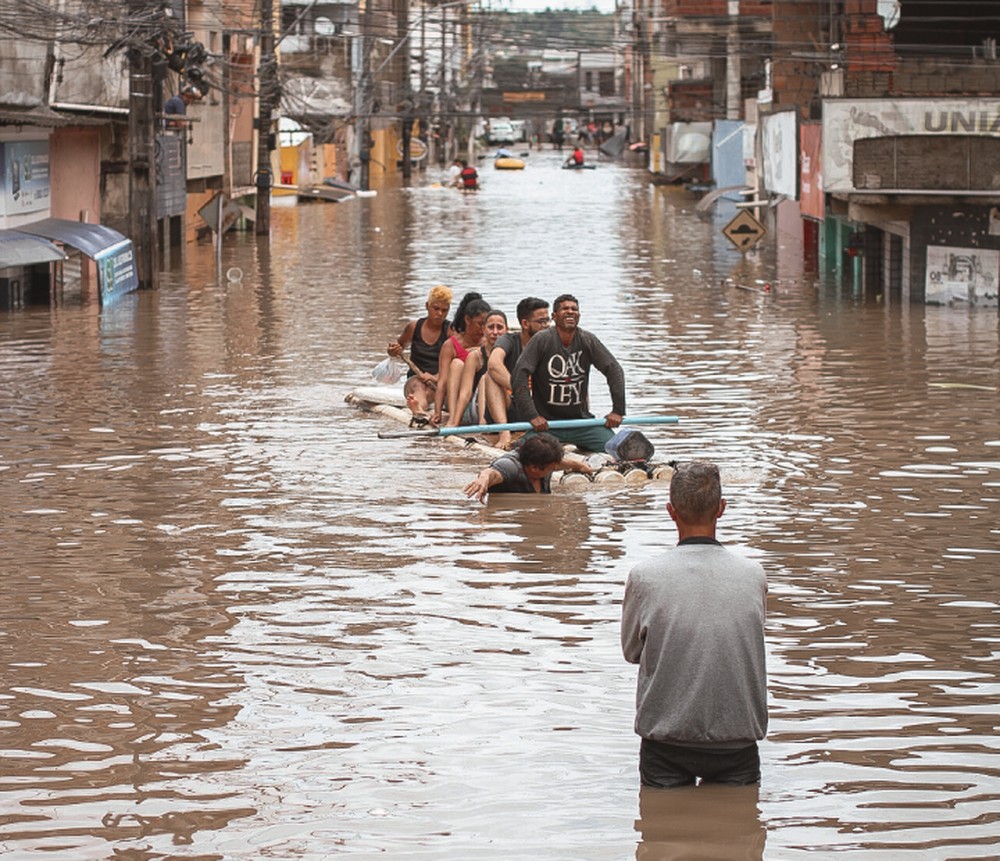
(20, 249)
(91, 239)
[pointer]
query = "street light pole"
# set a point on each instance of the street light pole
(267, 84)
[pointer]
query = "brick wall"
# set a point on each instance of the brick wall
(795, 81)
(930, 77)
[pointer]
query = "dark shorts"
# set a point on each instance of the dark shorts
(592, 439)
(665, 765)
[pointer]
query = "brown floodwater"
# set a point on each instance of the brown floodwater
(237, 624)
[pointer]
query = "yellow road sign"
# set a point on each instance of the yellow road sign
(744, 231)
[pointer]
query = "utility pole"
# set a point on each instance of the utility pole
(267, 75)
(142, 160)
(403, 31)
(444, 129)
(365, 99)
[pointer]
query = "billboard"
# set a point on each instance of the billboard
(24, 167)
(779, 147)
(116, 272)
(966, 275)
(844, 122)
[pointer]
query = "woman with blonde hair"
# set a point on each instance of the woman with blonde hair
(425, 337)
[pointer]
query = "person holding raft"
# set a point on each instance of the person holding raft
(551, 379)
(469, 326)
(527, 470)
(471, 407)
(425, 337)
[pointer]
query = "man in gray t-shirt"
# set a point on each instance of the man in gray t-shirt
(693, 620)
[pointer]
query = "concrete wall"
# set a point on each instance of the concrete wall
(75, 164)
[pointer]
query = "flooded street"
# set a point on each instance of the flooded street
(235, 624)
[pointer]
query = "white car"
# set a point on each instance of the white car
(501, 132)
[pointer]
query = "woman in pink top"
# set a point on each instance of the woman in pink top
(469, 326)
(470, 408)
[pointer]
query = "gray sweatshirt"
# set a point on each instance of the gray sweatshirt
(693, 620)
(560, 376)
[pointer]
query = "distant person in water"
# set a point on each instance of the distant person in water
(577, 157)
(469, 177)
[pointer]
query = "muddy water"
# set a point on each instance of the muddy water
(235, 624)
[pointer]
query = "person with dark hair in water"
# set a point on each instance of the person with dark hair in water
(469, 327)
(527, 470)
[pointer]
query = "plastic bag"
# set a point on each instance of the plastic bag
(388, 371)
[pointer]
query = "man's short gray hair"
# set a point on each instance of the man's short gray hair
(696, 491)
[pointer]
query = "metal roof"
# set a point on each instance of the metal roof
(91, 239)
(22, 249)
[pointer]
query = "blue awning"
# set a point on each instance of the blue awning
(22, 249)
(91, 239)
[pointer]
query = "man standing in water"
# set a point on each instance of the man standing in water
(550, 380)
(693, 619)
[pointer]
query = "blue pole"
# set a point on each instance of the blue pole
(558, 424)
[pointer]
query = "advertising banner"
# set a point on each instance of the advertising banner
(967, 275)
(24, 166)
(116, 271)
(811, 170)
(780, 153)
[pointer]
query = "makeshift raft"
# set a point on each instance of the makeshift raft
(389, 401)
